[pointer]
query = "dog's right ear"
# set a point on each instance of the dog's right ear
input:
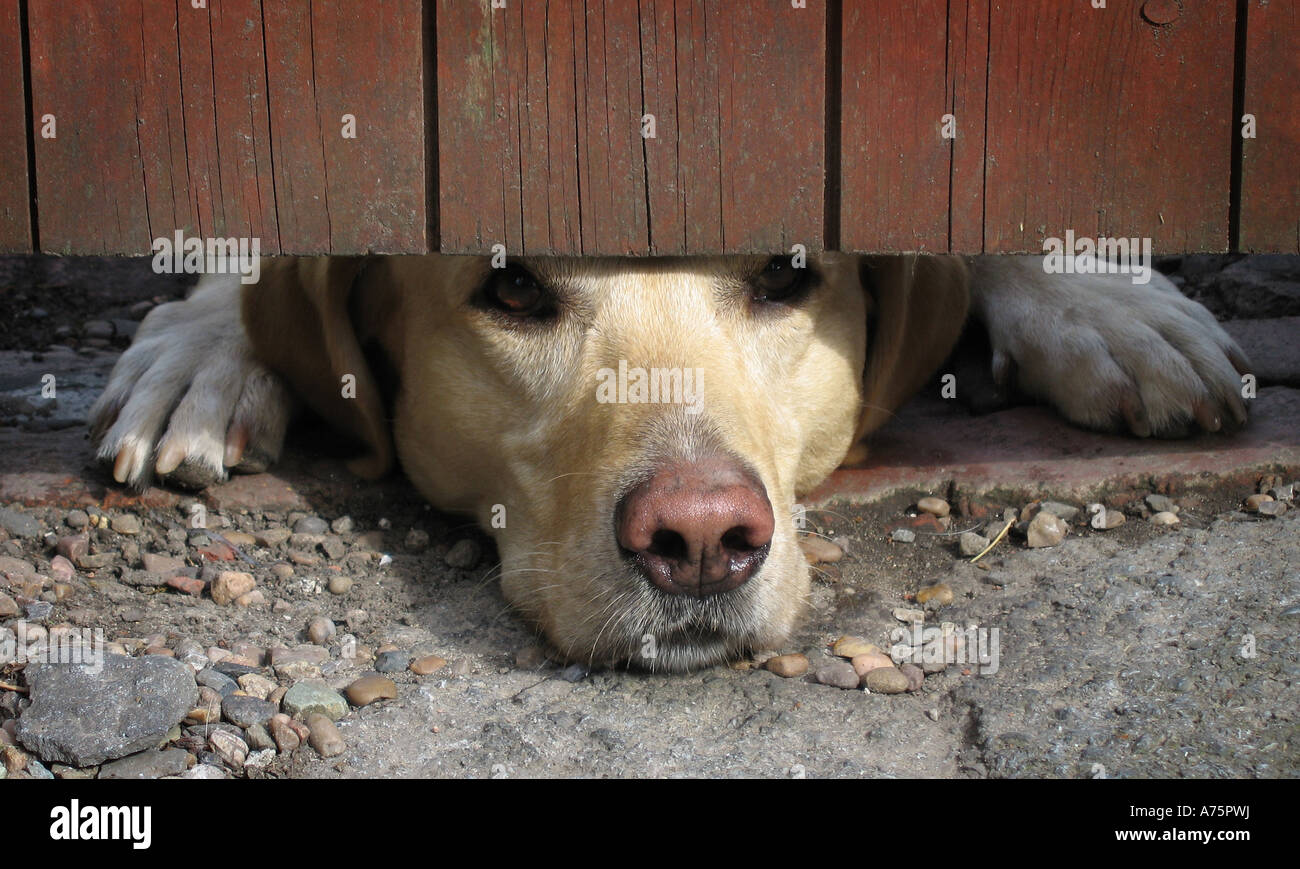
(916, 308)
(299, 318)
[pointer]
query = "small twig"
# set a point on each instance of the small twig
(1001, 534)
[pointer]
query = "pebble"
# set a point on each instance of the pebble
(164, 565)
(73, 546)
(417, 540)
(1064, 512)
(270, 538)
(229, 585)
(849, 646)
(819, 550)
(787, 666)
(343, 525)
(971, 544)
(77, 519)
(574, 673)
(82, 717)
(1104, 519)
(187, 584)
(325, 737)
(229, 747)
(310, 525)
(934, 506)
(251, 598)
(300, 662)
(147, 765)
(864, 664)
(1164, 517)
(428, 664)
(1160, 504)
(1272, 508)
(464, 554)
(368, 689)
(1254, 501)
(321, 630)
(939, 595)
(340, 584)
(7, 606)
(245, 711)
(260, 759)
(915, 676)
(334, 548)
(1046, 530)
(258, 738)
(314, 697)
(1283, 492)
(282, 570)
(886, 680)
(838, 674)
(127, 523)
(903, 535)
(217, 681)
(392, 662)
(909, 614)
(286, 738)
(61, 569)
(19, 524)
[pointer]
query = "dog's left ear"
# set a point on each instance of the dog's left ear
(916, 309)
(309, 319)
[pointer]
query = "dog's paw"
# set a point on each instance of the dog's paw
(1108, 353)
(187, 401)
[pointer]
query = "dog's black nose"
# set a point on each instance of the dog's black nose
(699, 528)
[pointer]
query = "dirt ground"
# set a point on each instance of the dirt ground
(1138, 651)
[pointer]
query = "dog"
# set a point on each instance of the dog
(634, 432)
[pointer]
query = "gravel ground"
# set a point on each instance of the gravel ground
(287, 643)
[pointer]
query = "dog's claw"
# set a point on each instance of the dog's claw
(169, 457)
(1136, 416)
(1206, 417)
(236, 442)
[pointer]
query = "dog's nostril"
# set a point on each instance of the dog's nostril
(669, 544)
(737, 540)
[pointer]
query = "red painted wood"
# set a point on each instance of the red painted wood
(327, 59)
(1101, 122)
(896, 164)
(86, 70)
(968, 38)
(228, 188)
(15, 209)
(1270, 198)
(525, 164)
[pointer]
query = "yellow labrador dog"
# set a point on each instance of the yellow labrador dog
(643, 427)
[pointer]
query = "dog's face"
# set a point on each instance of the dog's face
(634, 433)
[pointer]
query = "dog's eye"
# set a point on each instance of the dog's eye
(513, 290)
(780, 281)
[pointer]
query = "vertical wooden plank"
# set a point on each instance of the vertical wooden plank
(968, 40)
(1108, 123)
(737, 91)
(15, 207)
(1270, 172)
(367, 59)
(86, 68)
(229, 182)
(895, 160)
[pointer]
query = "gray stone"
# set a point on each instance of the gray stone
(313, 696)
(83, 718)
(903, 535)
(311, 525)
(1161, 504)
(392, 662)
(217, 681)
(258, 738)
(1064, 512)
(971, 544)
(148, 764)
(246, 711)
(464, 554)
(838, 674)
(19, 524)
